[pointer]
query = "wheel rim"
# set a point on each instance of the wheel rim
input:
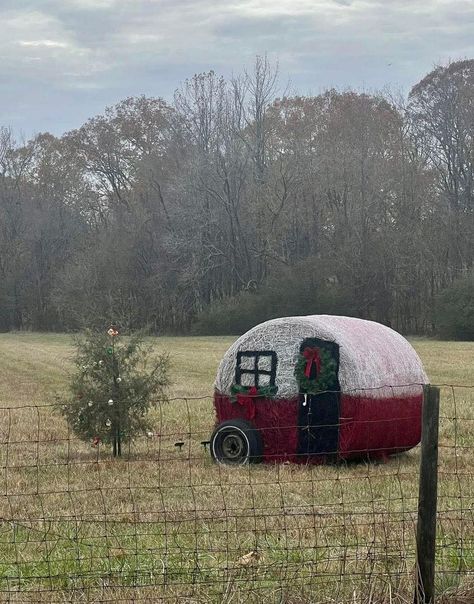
(233, 447)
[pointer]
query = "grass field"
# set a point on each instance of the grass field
(164, 524)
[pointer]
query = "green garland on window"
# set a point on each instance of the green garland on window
(261, 391)
(326, 378)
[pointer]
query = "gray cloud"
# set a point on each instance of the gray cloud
(63, 61)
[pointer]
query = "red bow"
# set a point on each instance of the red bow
(247, 401)
(312, 356)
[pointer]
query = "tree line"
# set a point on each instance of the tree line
(235, 203)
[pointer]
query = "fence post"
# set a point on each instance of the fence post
(427, 498)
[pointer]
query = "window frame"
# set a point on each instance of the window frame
(257, 355)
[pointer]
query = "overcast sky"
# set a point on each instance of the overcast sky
(62, 61)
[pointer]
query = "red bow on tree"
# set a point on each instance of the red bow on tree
(247, 401)
(312, 356)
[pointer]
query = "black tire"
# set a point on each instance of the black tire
(236, 442)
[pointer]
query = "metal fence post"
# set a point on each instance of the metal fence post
(427, 499)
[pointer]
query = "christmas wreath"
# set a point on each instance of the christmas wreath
(325, 376)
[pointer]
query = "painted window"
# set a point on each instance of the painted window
(256, 368)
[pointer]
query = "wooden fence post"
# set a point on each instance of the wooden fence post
(427, 499)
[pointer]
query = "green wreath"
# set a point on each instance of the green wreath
(262, 391)
(326, 377)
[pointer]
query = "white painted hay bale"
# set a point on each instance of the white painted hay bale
(373, 357)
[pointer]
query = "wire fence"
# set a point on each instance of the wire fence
(165, 523)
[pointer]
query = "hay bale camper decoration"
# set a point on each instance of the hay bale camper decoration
(317, 388)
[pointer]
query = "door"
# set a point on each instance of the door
(317, 374)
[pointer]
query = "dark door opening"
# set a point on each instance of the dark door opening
(318, 414)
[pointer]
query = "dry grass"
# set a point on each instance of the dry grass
(79, 526)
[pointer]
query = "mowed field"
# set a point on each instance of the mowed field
(166, 524)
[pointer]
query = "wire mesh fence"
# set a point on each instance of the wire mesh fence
(165, 523)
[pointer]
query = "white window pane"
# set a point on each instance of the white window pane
(247, 362)
(264, 363)
(247, 379)
(263, 380)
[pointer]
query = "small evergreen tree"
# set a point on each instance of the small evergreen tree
(115, 383)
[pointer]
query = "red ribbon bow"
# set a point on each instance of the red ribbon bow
(247, 401)
(312, 356)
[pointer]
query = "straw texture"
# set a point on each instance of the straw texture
(373, 357)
